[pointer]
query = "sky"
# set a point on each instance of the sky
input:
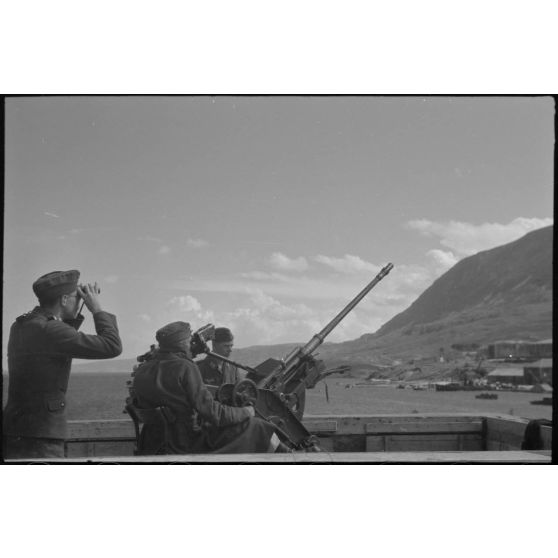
(264, 214)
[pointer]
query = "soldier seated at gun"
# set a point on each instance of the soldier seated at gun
(217, 372)
(169, 382)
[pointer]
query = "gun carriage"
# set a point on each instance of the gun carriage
(276, 388)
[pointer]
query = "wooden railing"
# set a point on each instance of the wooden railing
(341, 435)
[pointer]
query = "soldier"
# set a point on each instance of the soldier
(172, 380)
(215, 372)
(41, 346)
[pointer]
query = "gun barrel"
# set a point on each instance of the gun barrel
(318, 339)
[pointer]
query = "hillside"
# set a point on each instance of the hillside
(516, 273)
(497, 294)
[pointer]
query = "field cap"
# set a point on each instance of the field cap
(223, 335)
(56, 283)
(173, 333)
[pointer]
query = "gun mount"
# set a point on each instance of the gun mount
(277, 387)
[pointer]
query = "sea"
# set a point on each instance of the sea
(101, 395)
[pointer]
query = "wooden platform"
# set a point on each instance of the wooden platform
(450, 457)
(389, 438)
(433, 432)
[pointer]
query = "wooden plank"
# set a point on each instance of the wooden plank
(361, 457)
(472, 443)
(319, 426)
(417, 442)
(104, 429)
(340, 424)
(441, 442)
(423, 427)
(416, 417)
(326, 443)
(356, 424)
(348, 443)
(100, 448)
(444, 457)
(498, 445)
(375, 443)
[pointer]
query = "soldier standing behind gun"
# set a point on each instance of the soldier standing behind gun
(215, 372)
(41, 346)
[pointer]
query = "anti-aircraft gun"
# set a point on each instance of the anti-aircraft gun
(276, 388)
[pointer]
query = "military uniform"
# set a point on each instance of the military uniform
(215, 372)
(174, 381)
(40, 351)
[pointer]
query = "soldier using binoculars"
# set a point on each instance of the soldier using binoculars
(41, 346)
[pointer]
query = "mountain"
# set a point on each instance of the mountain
(517, 273)
(497, 294)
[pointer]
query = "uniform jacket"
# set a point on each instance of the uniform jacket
(172, 380)
(215, 372)
(40, 352)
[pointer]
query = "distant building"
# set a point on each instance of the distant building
(506, 376)
(541, 349)
(505, 349)
(539, 372)
(521, 349)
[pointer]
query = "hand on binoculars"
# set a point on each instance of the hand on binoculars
(90, 295)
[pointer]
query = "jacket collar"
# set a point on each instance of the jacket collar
(37, 311)
(165, 354)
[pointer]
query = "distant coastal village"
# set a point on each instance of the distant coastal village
(512, 365)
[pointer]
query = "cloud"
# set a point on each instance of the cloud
(266, 304)
(466, 239)
(189, 308)
(145, 317)
(185, 303)
(268, 320)
(284, 263)
(443, 260)
(48, 214)
(319, 288)
(196, 243)
(347, 264)
(263, 276)
(268, 308)
(164, 250)
(273, 307)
